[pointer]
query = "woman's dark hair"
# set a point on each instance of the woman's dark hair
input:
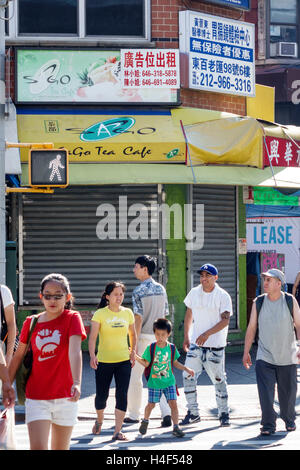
(63, 281)
(148, 262)
(162, 324)
(108, 290)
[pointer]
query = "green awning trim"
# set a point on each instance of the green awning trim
(139, 173)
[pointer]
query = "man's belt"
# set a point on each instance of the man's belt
(211, 349)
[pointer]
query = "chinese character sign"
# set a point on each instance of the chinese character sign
(281, 152)
(242, 4)
(150, 68)
(221, 53)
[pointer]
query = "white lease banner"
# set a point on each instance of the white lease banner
(276, 235)
(219, 53)
(150, 68)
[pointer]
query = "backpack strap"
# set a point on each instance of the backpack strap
(290, 304)
(172, 347)
(259, 301)
(152, 355)
(3, 320)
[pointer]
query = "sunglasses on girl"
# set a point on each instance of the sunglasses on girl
(54, 297)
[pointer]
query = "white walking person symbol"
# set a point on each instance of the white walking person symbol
(55, 164)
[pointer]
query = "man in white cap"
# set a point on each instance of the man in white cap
(209, 308)
(277, 316)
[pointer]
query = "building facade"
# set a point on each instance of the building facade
(126, 200)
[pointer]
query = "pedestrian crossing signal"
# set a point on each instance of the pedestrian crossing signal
(49, 168)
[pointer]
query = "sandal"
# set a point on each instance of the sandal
(119, 437)
(266, 432)
(290, 428)
(97, 428)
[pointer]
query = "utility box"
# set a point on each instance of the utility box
(48, 168)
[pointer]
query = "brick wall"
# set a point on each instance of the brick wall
(165, 33)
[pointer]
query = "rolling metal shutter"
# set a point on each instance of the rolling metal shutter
(220, 242)
(59, 235)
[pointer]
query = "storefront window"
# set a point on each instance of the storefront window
(283, 24)
(115, 18)
(47, 17)
(57, 19)
(283, 11)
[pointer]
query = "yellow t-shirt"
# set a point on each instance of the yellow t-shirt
(113, 333)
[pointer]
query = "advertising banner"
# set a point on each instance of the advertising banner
(150, 68)
(217, 54)
(274, 236)
(80, 76)
(106, 138)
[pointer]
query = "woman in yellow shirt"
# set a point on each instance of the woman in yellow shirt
(113, 323)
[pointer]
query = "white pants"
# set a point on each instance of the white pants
(135, 390)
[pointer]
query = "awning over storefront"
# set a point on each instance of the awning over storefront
(157, 138)
(93, 174)
(115, 136)
(240, 140)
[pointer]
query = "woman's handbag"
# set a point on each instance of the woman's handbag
(24, 370)
(7, 429)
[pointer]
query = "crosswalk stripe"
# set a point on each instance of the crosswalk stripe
(198, 437)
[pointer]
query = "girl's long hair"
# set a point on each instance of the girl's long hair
(63, 281)
(108, 290)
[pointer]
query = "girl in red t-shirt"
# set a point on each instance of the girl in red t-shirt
(53, 387)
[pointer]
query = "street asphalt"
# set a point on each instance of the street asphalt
(242, 391)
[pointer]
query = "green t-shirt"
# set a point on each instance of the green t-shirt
(161, 375)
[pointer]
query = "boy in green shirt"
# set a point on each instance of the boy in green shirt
(161, 378)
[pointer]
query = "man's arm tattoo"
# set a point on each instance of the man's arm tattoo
(225, 315)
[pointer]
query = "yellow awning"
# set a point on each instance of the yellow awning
(114, 137)
(236, 140)
(231, 141)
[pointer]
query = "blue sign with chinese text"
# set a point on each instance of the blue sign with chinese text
(243, 4)
(219, 52)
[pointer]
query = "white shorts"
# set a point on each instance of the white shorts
(60, 411)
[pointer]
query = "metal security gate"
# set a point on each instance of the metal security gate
(220, 238)
(61, 234)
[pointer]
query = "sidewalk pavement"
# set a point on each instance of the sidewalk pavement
(242, 392)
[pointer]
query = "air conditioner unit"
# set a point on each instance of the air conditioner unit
(287, 49)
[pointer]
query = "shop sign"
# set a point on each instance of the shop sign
(281, 152)
(106, 139)
(266, 196)
(276, 236)
(80, 77)
(241, 4)
(217, 53)
(150, 68)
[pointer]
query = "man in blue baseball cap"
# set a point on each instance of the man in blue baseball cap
(209, 308)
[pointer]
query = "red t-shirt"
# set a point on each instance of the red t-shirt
(51, 375)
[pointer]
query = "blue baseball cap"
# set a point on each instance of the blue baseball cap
(209, 268)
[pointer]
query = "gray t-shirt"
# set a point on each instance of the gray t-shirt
(149, 300)
(276, 343)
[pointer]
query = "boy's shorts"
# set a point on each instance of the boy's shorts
(61, 411)
(154, 394)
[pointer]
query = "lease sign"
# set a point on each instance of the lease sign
(150, 68)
